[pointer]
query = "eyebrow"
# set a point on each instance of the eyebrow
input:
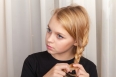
(57, 32)
(48, 26)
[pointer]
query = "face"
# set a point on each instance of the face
(58, 40)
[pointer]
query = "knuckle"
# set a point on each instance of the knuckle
(88, 74)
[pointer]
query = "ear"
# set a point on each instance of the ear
(75, 43)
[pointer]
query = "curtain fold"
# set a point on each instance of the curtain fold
(108, 36)
(106, 33)
(3, 56)
(9, 46)
(23, 26)
(105, 39)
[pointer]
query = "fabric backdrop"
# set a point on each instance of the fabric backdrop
(23, 26)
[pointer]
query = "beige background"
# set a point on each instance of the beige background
(23, 27)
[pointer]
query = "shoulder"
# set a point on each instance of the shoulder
(31, 63)
(33, 59)
(89, 66)
(38, 55)
(86, 62)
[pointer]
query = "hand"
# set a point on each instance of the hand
(80, 72)
(57, 70)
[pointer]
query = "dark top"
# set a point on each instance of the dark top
(38, 64)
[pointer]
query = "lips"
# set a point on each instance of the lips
(49, 47)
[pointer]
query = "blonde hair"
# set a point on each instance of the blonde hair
(76, 22)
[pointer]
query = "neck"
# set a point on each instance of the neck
(63, 56)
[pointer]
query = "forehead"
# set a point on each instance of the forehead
(56, 26)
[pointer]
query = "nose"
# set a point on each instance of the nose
(50, 38)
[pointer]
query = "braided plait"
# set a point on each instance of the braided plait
(81, 46)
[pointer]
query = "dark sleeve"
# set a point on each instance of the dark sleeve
(29, 67)
(93, 71)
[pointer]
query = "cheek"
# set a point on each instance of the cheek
(64, 45)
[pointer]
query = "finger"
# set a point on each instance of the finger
(58, 75)
(82, 73)
(72, 67)
(77, 72)
(62, 73)
(63, 66)
(81, 76)
(79, 66)
(85, 74)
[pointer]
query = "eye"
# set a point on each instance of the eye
(48, 30)
(60, 37)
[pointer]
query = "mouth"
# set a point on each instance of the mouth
(49, 47)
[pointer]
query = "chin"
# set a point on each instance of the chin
(50, 52)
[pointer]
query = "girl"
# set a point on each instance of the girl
(66, 38)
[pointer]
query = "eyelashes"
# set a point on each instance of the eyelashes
(48, 30)
(59, 36)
